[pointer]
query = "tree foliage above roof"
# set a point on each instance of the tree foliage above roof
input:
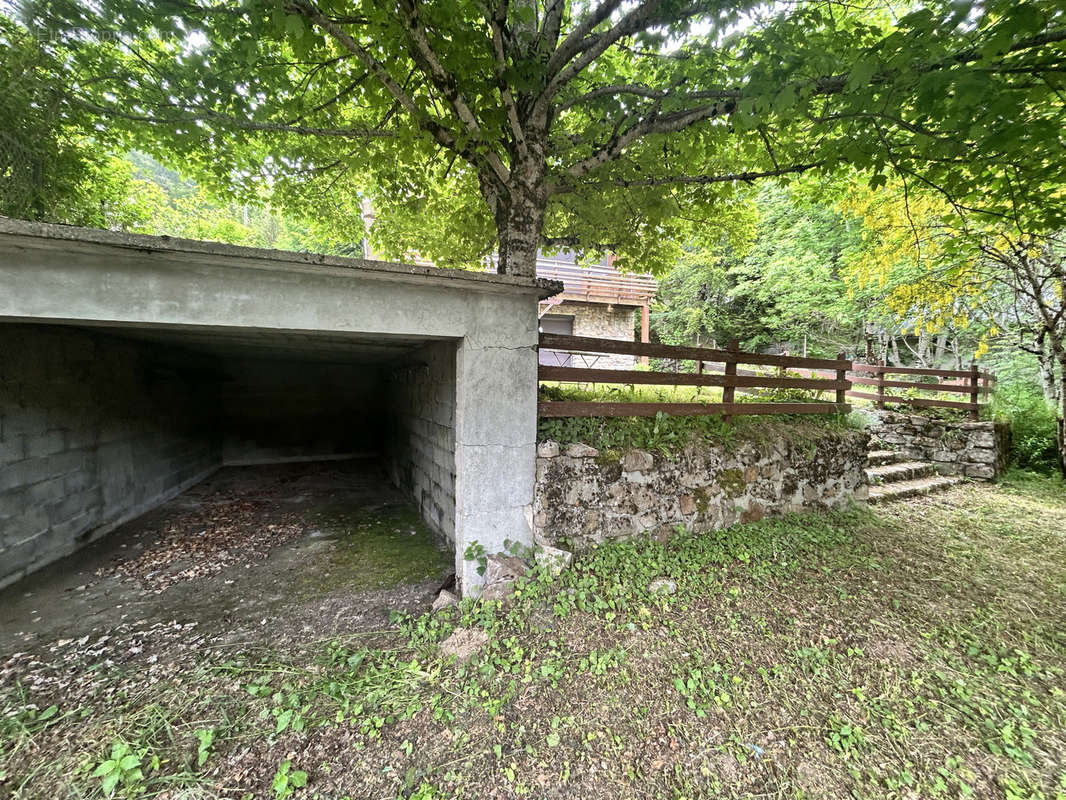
(477, 127)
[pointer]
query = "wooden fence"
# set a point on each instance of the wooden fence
(971, 383)
(729, 381)
(818, 374)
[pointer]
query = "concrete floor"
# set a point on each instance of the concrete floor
(251, 555)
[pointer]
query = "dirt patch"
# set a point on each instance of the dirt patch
(252, 556)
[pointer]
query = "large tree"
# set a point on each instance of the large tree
(515, 124)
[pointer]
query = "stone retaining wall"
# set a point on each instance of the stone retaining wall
(974, 449)
(585, 497)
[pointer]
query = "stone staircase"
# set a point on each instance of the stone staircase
(893, 477)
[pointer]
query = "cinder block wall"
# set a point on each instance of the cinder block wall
(93, 431)
(421, 448)
(291, 411)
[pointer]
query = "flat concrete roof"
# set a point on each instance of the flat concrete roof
(210, 251)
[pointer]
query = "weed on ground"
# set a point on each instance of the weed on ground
(916, 651)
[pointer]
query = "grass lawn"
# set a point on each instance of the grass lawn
(913, 651)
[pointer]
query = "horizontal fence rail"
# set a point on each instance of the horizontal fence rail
(817, 374)
(729, 381)
(970, 382)
(974, 383)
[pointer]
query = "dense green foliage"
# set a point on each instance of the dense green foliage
(477, 129)
(789, 279)
(782, 283)
(1019, 401)
(55, 165)
(180, 207)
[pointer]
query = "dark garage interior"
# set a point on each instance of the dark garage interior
(101, 425)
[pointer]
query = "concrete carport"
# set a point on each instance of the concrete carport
(133, 366)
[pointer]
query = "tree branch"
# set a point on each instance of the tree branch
(697, 180)
(424, 55)
(640, 90)
(442, 135)
(497, 20)
(656, 123)
(244, 124)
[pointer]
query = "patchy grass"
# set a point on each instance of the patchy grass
(651, 393)
(377, 547)
(667, 433)
(913, 652)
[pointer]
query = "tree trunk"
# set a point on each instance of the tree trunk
(1047, 372)
(1062, 419)
(923, 347)
(1060, 435)
(519, 239)
(1058, 350)
(520, 218)
(941, 346)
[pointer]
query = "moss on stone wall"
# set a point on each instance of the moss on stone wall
(732, 482)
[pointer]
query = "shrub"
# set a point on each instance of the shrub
(1032, 422)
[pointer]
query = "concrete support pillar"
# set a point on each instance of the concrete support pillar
(495, 441)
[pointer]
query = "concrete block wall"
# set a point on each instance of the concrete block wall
(93, 431)
(299, 411)
(602, 322)
(421, 447)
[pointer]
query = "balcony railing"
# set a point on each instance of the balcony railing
(599, 283)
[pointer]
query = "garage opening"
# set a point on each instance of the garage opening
(302, 433)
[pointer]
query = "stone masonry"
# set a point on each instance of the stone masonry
(585, 497)
(601, 321)
(973, 449)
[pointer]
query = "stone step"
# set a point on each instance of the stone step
(876, 458)
(903, 471)
(914, 488)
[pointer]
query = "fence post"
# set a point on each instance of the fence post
(881, 385)
(729, 392)
(842, 375)
(973, 390)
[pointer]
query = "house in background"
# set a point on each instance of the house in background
(597, 301)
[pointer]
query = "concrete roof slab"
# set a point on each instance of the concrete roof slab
(55, 236)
